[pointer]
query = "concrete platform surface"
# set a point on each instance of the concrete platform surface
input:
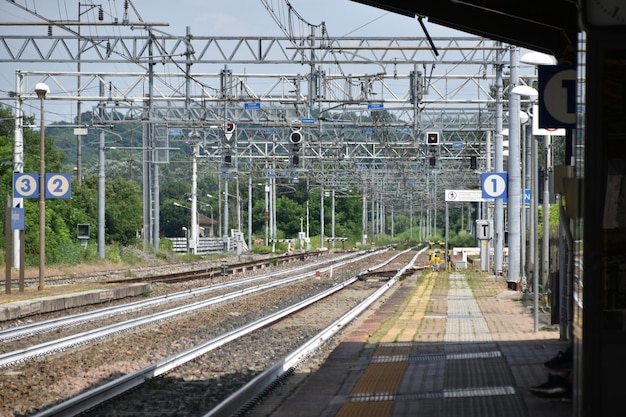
(37, 305)
(441, 345)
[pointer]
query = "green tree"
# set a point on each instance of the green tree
(288, 214)
(124, 212)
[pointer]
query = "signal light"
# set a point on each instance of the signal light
(433, 161)
(432, 138)
(295, 140)
(473, 162)
(229, 141)
(295, 137)
(228, 159)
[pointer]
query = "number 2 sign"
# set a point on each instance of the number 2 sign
(26, 185)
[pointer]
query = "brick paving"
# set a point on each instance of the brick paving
(441, 345)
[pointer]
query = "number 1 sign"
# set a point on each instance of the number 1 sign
(494, 184)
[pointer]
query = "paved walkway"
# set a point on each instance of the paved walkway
(441, 345)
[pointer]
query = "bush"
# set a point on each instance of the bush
(113, 253)
(166, 245)
(70, 254)
(128, 256)
(90, 253)
(463, 239)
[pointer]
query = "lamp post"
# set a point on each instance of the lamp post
(514, 178)
(536, 59)
(42, 91)
(185, 231)
(210, 207)
(213, 218)
(531, 93)
(193, 219)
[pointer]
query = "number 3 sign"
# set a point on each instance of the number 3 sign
(26, 185)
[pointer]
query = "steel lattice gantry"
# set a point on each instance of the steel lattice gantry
(364, 105)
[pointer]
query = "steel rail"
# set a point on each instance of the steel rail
(16, 333)
(84, 338)
(97, 396)
(243, 399)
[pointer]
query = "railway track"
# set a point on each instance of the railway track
(169, 364)
(197, 271)
(223, 269)
(16, 333)
(81, 339)
(253, 392)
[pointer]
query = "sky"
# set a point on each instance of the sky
(205, 18)
(237, 17)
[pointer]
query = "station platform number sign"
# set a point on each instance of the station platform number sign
(494, 184)
(26, 185)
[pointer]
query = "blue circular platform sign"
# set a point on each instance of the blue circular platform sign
(494, 184)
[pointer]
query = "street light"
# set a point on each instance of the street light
(211, 207)
(532, 94)
(42, 91)
(186, 232)
(184, 228)
(536, 59)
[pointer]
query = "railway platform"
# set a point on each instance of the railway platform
(442, 345)
(27, 304)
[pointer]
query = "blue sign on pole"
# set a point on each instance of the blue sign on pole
(375, 106)
(527, 196)
(25, 185)
(173, 132)
(494, 184)
(255, 105)
(308, 121)
(58, 185)
(17, 218)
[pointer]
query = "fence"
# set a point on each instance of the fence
(208, 245)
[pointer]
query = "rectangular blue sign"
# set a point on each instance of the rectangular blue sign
(252, 106)
(375, 106)
(17, 218)
(58, 185)
(308, 121)
(172, 132)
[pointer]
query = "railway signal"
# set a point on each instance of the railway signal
(295, 140)
(432, 138)
(229, 144)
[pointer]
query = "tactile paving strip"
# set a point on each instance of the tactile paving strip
(474, 377)
(381, 378)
